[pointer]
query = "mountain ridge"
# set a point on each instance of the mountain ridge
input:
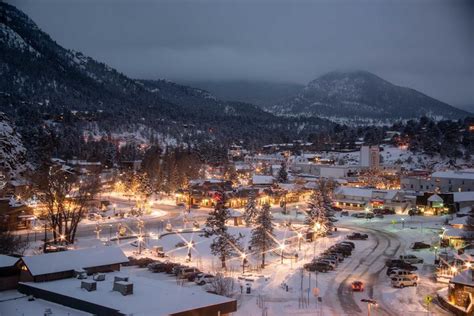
(359, 94)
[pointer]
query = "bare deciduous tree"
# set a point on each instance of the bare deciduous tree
(66, 197)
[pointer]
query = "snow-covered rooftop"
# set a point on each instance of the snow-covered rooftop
(354, 191)
(435, 198)
(465, 277)
(74, 259)
(258, 179)
(466, 174)
(7, 261)
(150, 296)
(463, 196)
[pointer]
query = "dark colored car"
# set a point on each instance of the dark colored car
(350, 243)
(393, 262)
(357, 236)
(345, 251)
(317, 266)
(396, 263)
(420, 245)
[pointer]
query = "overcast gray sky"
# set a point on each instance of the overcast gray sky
(424, 44)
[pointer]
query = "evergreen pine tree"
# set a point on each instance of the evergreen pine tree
(224, 244)
(263, 238)
(282, 174)
(251, 212)
(316, 213)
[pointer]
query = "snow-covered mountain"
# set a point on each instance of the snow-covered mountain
(361, 94)
(52, 82)
(12, 151)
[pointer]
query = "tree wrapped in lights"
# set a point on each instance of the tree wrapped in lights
(224, 244)
(316, 217)
(251, 211)
(282, 174)
(263, 238)
(66, 197)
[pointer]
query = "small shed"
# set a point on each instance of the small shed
(9, 272)
(461, 291)
(236, 216)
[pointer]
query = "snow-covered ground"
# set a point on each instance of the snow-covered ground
(388, 238)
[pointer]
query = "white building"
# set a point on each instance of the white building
(360, 198)
(370, 156)
(441, 181)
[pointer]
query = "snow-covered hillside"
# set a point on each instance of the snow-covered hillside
(403, 157)
(12, 151)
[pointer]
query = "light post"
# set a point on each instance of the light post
(244, 261)
(403, 222)
(190, 246)
(282, 247)
(436, 252)
(140, 240)
(97, 230)
(300, 235)
(115, 206)
(110, 232)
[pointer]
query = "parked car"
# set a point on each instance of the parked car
(393, 262)
(357, 236)
(337, 209)
(337, 255)
(317, 266)
(157, 267)
(186, 272)
(369, 215)
(204, 278)
(329, 262)
(414, 211)
(192, 276)
(420, 245)
(401, 282)
(357, 286)
(379, 215)
(403, 273)
(346, 248)
(400, 264)
(358, 215)
(169, 266)
(345, 251)
(412, 259)
(350, 243)
(345, 213)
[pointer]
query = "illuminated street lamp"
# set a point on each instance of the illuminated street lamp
(140, 240)
(282, 247)
(454, 270)
(403, 222)
(190, 246)
(244, 261)
(300, 235)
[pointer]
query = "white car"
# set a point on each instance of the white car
(411, 259)
(204, 279)
(401, 282)
(404, 273)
